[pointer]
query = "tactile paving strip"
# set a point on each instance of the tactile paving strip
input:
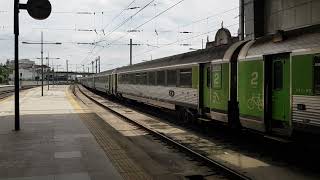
(125, 166)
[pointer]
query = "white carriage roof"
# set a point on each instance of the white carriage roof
(199, 56)
(306, 39)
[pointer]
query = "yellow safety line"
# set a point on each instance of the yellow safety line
(76, 106)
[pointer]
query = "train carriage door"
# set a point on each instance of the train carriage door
(279, 88)
(110, 84)
(205, 87)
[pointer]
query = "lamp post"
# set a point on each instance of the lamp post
(37, 9)
(48, 63)
(42, 43)
(56, 73)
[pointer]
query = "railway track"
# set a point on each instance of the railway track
(7, 93)
(156, 128)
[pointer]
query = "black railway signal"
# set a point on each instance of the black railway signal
(37, 9)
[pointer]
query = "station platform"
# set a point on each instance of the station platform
(53, 144)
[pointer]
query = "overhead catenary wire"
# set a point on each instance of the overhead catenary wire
(185, 39)
(159, 14)
(126, 20)
(154, 17)
(206, 19)
(209, 17)
(118, 15)
(120, 25)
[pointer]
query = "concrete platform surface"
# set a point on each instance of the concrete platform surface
(53, 144)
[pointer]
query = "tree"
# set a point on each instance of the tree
(4, 74)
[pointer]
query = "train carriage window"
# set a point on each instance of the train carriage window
(123, 78)
(120, 79)
(317, 75)
(160, 78)
(172, 77)
(152, 78)
(186, 78)
(132, 78)
(278, 75)
(143, 78)
(127, 79)
(138, 78)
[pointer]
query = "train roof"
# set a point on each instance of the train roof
(199, 56)
(215, 50)
(294, 41)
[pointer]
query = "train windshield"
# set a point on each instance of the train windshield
(317, 75)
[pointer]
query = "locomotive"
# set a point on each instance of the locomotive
(270, 84)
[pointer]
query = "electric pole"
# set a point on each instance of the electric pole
(41, 63)
(130, 52)
(48, 69)
(99, 64)
(96, 66)
(92, 66)
(42, 70)
(67, 71)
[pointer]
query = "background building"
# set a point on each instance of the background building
(28, 70)
(264, 17)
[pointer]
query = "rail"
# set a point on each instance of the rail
(232, 173)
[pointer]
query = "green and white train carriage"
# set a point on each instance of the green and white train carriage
(271, 84)
(278, 83)
(219, 86)
(201, 83)
(171, 82)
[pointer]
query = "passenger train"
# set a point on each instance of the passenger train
(270, 85)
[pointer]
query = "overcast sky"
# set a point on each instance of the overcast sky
(71, 21)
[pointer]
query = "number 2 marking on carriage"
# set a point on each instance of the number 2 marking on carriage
(254, 79)
(216, 79)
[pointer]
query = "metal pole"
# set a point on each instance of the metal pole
(67, 72)
(96, 66)
(57, 75)
(53, 81)
(99, 59)
(130, 52)
(202, 43)
(92, 67)
(48, 69)
(16, 65)
(42, 63)
(241, 19)
(53, 74)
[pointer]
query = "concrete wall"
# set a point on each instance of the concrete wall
(254, 18)
(290, 14)
(264, 17)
